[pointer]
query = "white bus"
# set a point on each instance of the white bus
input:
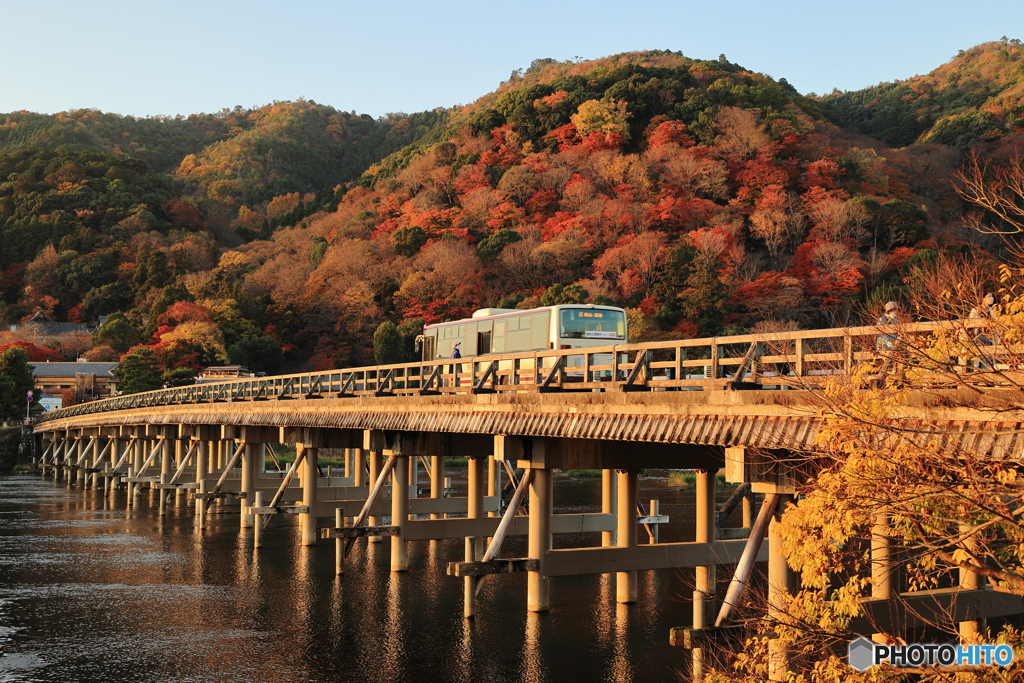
(510, 330)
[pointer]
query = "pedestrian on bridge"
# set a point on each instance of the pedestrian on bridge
(885, 343)
(456, 367)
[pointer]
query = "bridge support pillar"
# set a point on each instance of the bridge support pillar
(250, 462)
(116, 450)
(375, 467)
(97, 461)
(474, 546)
(358, 466)
(493, 482)
(970, 631)
(81, 448)
(705, 579)
(625, 582)
(400, 513)
(307, 520)
(179, 456)
(436, 481)
(166, 453)
(202, 458)
(608, 507)
(538, 585)
(138, 460)
(781, 584)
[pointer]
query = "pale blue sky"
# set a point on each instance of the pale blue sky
(143, 58)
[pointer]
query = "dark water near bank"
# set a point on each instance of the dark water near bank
(91, 592)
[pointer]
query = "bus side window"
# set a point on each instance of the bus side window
(483, 342)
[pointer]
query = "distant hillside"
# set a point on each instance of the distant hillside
(978, 95)
(246, 155)
(162, 142)
(655, 84)
(298, 147)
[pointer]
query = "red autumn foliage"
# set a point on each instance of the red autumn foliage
(36, 354)
(183, 312)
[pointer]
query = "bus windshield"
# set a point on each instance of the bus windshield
(592, 324)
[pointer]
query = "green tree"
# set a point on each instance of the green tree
(117, 333)
(563, 294)
(408, 330)
(259, 354)
(178, 377)
(491, 246)
(15, 382)
(387, 344)
(138, 371)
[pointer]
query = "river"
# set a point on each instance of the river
(92, 592)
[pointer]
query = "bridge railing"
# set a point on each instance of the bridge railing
(775, 360)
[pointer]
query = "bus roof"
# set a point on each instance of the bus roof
(512, 312)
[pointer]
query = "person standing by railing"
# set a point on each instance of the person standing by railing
(456, 367)
(885, 344)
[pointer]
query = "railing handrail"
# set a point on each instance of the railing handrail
(398, 377)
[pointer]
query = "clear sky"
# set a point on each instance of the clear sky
(143, 58)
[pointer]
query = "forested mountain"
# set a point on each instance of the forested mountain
(250, 155)
(979, 95)
(704, 197)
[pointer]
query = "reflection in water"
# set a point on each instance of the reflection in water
(533, 653)
(89, 591)
(621, 668)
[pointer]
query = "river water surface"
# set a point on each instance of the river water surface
(92, 592)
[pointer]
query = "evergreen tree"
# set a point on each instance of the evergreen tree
(138, 371)
(15, 382)
(387, 344)
(117, 333)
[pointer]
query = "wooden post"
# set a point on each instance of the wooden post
(375, 465)
(339, 545)
(358, 467)
(493, 481)
(179, 455)
(94, 478)
(307, 520)
(780, 585)
(474, 545)
(139, 459)
(250, 458)
(400, 512)
(970, 631)
(882, 571)
(81, 446)
(705, 576)
(608, 538)
(653, 530)
(109, 485)
(436, 481)
(538, 586)
(201, 459)
(625, 582)
(165, 471)
(257, 529)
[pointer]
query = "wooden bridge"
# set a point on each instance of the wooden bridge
(707, 404)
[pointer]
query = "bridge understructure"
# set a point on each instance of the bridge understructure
(518, 420)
